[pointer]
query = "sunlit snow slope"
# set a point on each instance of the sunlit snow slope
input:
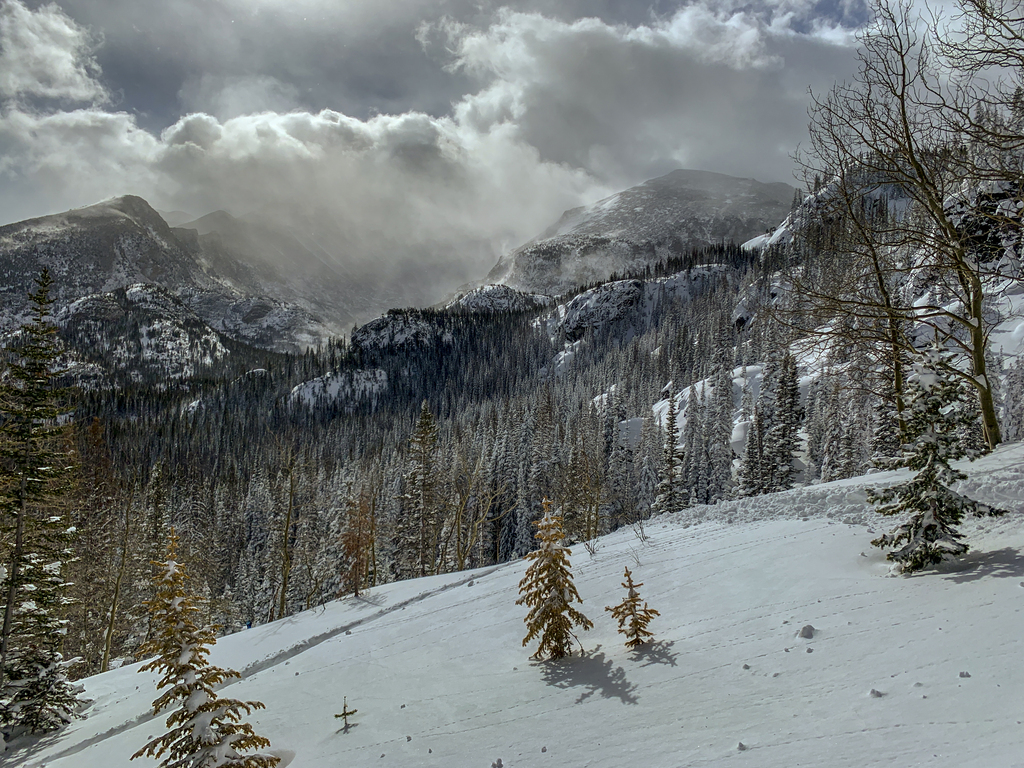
(436, 668)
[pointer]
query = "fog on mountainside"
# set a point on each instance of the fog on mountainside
(641, 226)
(290, 286)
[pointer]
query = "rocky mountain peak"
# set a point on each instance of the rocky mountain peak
(663, 217)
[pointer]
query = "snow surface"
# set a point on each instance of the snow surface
(436, 668)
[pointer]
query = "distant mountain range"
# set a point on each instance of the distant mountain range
(123, 242)
(125, 279)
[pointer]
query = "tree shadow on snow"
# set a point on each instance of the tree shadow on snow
(25, 747)
(659, 652)
(375, 599)
(592, 673)
(1005, 563)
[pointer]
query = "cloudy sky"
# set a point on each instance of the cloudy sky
(458, 127)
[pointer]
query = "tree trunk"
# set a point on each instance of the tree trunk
(108, 638)
(12, 585)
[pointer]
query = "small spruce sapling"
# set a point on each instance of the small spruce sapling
(548, 590)
(346, 713)
(929, 535)
(633, 619)
(204, 731)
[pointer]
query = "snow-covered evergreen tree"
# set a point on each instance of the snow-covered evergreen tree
(1013, 402)
(780, 442)
(35, 693)
(886, 442)
(752, 480)
(548, 590)
(669, 493)
(204, 730)
(718, 425)
(418, 523)
(929, 533)
(690, 491)
(633, 619)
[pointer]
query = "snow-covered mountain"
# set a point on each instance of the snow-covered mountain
(141, 330)
(292, 267)
(640, 226)
(123, 241)
(783, 640)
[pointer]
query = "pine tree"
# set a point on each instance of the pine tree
(929, 535)
(668, 494)
(549, 591)
(418, 525)
(780, 442)
(752, 480)
(1013, 402)
(35, 693)
(345, 713)
(719, 429)
(204, 731)
(885, 437)
(633, 619)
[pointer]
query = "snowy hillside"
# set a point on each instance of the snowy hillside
(634, 300)
(916, 671)
(401, 329)
(141, 329)
(497, 298)
(347, 386)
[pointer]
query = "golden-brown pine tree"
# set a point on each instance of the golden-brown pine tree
(204, 731)
(548, 589)
(633, 619)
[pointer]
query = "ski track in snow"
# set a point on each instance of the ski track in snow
(269, 662)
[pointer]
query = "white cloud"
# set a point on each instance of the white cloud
(702, 88)
(44, 53)
(231, 96)
(558, 113)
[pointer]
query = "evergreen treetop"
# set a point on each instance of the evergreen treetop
(929, 535)
(35, 537)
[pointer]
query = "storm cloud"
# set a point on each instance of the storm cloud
(440, 133)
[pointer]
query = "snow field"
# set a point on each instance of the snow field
(437, 671)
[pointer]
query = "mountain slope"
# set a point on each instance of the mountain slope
(663, 217)
(123, 241)
(264, 259)
(436, 668)
(141, 330)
